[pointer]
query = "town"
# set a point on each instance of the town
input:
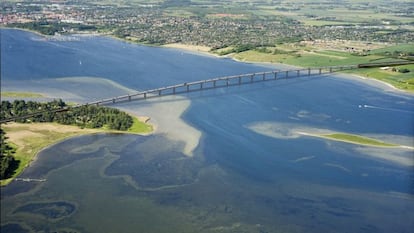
(215, 25)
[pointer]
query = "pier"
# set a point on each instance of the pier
(29, 180)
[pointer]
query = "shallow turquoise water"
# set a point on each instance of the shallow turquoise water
(250, 172)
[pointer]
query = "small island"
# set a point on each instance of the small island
(22, 140)
(354, 139)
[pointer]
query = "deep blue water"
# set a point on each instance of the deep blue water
(262, 183)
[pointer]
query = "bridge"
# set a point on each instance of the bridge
(216, 83)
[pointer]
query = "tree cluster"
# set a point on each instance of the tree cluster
(8, 163)
(84, 116)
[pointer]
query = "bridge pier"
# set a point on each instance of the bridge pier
(298, 73)
(240, 77)
(287, 73)
(320, 70)
(309, 71)
(275, 75)
(264, 77)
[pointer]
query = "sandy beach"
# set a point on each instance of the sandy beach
(205, 50)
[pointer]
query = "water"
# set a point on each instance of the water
(249, 171)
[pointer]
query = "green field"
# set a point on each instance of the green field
(12, 94)
(306, 56)
(140, 127)
(30, 139)
(356, 139)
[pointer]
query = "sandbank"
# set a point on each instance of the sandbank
(400, 153)
(166, 117)
(164, 114)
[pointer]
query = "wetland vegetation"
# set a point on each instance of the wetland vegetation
(356, 139)
(20, 142)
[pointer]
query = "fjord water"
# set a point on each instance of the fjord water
(250, 171)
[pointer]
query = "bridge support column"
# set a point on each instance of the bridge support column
(264, 77)
(320, 70)
(159, 92)
(240, 80)
(287, 73)
(309, 71)
(251, 78)
(298, 73)
(275, 75)
(129, 98)
(214, 83)
(330, 69)
(145, 95)
(201, 86)
(188, 88)
(113, 100)
(173, 90)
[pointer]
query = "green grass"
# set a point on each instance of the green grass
(12, 94)
(36, 139)
(33, 143)
(140, 127)
(311, 22)
(401, 47)
(307, 57)
(356, 139)
(403, 81)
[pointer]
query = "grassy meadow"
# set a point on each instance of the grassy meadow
(30, 139)
(316, 56)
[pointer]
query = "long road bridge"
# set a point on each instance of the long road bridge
(219, 83)
(216, 83)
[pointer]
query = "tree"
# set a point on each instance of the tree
(8, 164)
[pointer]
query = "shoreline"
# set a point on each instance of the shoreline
(32, 138)
(196, 50)
(192, 136)
(206, 51)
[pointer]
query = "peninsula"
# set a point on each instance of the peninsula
(21, 142)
